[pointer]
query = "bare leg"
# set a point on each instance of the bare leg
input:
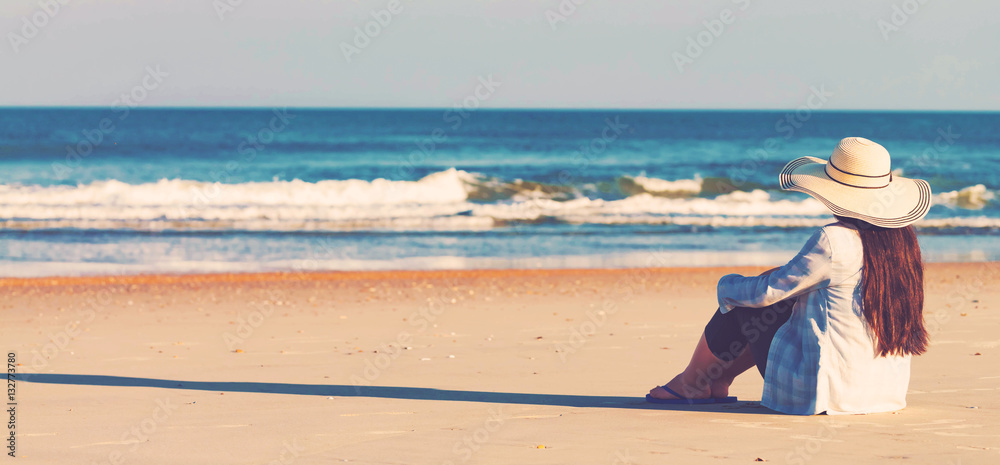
(706, 375)
(720, 387)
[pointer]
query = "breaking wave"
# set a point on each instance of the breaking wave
(447, 200)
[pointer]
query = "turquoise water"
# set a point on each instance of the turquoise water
(104, 191)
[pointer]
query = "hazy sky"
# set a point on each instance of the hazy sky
(607, 54)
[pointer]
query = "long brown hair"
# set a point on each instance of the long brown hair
(893, 288)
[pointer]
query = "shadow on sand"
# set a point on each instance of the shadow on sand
(390, 392)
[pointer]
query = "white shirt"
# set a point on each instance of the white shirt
(823, 359)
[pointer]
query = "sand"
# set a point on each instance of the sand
(450, 367)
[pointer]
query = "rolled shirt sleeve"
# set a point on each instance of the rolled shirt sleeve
(809, 270)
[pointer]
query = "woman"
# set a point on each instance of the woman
(833, 329)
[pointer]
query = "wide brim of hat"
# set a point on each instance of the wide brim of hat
(901, 203)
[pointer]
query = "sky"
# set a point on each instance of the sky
(714, 54)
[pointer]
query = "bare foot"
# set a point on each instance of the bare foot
(721, 388)
(689, 391)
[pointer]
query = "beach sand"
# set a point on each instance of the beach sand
(450, 367)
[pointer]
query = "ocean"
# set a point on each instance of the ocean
(120, 191)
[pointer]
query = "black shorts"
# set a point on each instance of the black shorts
(729, 334)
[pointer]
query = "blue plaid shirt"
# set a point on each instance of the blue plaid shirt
(823, 359)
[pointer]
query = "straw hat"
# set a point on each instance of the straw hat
(858, 182)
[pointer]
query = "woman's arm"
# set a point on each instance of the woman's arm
(809, 270)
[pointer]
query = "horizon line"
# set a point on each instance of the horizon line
(499, 109)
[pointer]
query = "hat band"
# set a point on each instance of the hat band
(857, 180)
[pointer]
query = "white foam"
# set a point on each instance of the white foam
(972, 222)
(439, 201)
(663, 187)
(738, 204)
(618, 260)
(447, 186)
(970, 198)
